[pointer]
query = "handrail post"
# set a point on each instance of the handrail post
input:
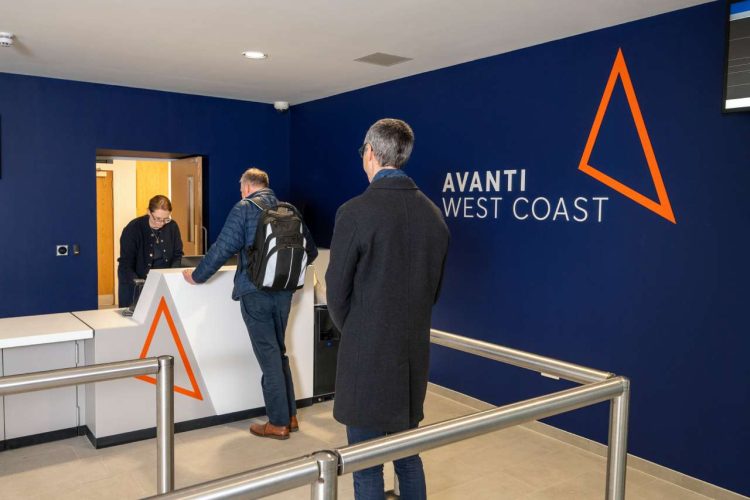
(165, 425)
(326, 487)
(617, 453)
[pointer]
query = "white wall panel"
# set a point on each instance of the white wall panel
(37, 412)
(2, 403)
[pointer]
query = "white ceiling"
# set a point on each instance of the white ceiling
(195, 46)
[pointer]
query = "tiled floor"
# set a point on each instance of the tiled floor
(512, 463)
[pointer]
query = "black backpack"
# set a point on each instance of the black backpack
(277, 259)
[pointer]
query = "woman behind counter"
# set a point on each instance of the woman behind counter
(151, 241)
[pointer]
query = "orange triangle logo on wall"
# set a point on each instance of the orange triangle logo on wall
(663, 207)
(164, 310)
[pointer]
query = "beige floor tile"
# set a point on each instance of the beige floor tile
(439, 408)
(119, 486)
(32, 451)
(493, 486)
(83, 448)
(572, 489)
(634, 480)
(444, 472)
(662, 490)
(32, 486)
(207, 433)
(553, 467)
(21, 460)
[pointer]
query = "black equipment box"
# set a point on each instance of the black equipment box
(327, 338)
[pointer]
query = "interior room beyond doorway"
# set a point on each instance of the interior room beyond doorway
(125, 182)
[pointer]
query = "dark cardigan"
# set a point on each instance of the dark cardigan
(386, 266)
(137, 253)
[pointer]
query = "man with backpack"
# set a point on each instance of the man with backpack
(274, 247)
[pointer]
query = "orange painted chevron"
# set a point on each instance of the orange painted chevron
(164, 310)
(663, 206)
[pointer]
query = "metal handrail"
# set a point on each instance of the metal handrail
(162, 367)
(542, 364)
(601, 386)
(50, 379)
(396, 446)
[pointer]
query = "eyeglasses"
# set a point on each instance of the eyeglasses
(165, 220)
(361, 150)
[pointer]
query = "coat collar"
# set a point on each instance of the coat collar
(400, 182)
(147, 229)
(263, 192)
(145, 226)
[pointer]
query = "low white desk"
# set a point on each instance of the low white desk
(43, 329)
(37, 343)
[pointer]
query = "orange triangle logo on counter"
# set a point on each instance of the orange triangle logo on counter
(663, 207)
(164, 310)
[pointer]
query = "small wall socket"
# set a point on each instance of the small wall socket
(61, 250)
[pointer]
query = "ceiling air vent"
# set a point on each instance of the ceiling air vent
(381, 59)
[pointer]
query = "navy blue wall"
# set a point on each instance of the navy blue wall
(635, 294)
(50, 132)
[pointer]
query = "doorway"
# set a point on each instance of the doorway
(186, 183)
(125, 182)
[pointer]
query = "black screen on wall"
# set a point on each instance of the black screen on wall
(737, 88)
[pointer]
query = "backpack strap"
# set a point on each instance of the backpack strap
(257, 203)
(291, 208)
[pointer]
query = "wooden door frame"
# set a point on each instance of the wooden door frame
(107, 260)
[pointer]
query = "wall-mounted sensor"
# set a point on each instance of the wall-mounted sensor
(6, 39)
(62, 250)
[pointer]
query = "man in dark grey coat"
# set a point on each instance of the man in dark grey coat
(386, 266)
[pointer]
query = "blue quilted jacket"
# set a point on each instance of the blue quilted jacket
(237, 235)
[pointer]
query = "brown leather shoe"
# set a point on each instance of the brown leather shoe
(293, 424)
(269, 430)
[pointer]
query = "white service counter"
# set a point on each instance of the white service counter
(217, 378)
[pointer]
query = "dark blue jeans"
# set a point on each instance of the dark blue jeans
(266, 315)
(368, 483)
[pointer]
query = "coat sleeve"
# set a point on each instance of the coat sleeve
(128, 249)
(440, 281)
(178, 251)
(230, 241)
(342, 267)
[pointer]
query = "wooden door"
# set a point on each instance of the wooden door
(151, 178)
(105, 237)
(187, 202)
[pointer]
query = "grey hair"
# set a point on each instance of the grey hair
(254, 176)
(391, 141)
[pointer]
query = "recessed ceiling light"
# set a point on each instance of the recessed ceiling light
(252, 54)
